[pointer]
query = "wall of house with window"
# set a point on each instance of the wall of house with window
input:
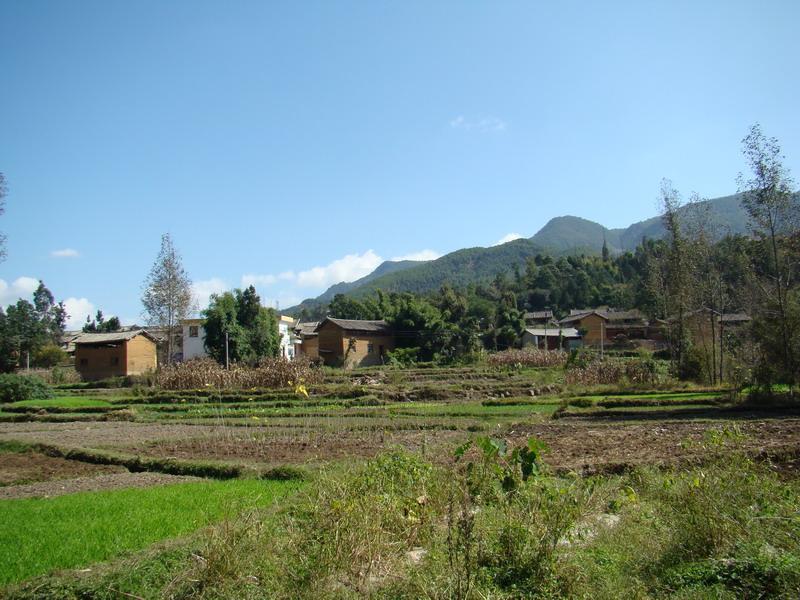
(194, 338)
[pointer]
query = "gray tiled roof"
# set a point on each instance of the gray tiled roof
(106, 338)
(358, 325)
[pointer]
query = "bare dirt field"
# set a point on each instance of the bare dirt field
(31, 467)
(582, 445)
(111, 481)
(590, 446)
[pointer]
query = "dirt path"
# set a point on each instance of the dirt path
(113, 481)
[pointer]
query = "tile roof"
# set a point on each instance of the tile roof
(358, 325)
(539, 314)
(567, 332)
(307, 328)
(106, 338)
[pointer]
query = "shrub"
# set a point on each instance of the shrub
(49, 355)
(15, 388)
(528, 357)
(270, 373)
(402, 357)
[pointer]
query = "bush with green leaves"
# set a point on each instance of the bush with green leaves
(15, 388)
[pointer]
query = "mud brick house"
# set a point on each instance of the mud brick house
(611, 326)
(306, 340)
(352, 343)
(102, 355)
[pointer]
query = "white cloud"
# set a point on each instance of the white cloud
(78, 309)
(421, 255)
(202, 290)
(65, 253)
(22, 287)
(486, 124)
(281, 301)
(348, 268)
(256, 280)
(509, 237)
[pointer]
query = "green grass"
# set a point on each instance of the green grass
(42, 534)
(62, 402)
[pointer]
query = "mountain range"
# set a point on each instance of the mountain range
(560, 236)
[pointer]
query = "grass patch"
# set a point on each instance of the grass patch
(138, 464)
(63, 402)
(13, 447)
(42, 534)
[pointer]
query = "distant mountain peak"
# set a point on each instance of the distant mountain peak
(560, 236)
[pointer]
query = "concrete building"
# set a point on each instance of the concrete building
(286, 327)
(193, 336)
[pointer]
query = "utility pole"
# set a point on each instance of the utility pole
(602, 337)
(227, 360)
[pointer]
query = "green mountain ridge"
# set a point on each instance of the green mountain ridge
(567, 235)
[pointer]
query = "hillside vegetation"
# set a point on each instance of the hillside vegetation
(567, 235)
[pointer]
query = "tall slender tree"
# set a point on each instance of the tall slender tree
(773, 212)
(167, 295)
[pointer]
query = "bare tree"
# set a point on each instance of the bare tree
(167, 296)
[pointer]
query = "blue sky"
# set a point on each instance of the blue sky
(296, 144)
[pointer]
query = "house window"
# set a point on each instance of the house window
(194, 331)
(114, 361)
(370, 348)
(84, 362)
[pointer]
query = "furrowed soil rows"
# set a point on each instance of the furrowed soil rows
(32, 467)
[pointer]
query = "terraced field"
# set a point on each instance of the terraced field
(91, 443)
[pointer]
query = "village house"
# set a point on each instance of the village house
(103, 355)
(606, 327)
(551, 338)
(306, 340)
(539, 318)
(287, 339)
(352, 343)
(193, 340)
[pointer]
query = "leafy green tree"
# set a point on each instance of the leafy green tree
(100, 325)
(49, 355)
(25, 327)
(221, 321)
(773, 213)
(344, 307)
(252, 329)
(259, 323)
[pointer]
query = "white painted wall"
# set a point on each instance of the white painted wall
(194, 346)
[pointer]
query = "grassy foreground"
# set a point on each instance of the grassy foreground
(492, 522)
(42, 534)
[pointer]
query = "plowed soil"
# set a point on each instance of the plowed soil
(32, 467)
(113, 481)
(580, 445)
